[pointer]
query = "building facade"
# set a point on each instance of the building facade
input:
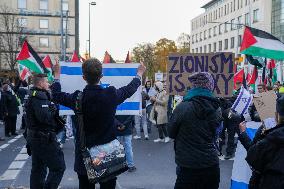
(220, 27)
(40, 21)
(277, 25)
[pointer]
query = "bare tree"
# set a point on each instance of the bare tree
(183, 42)
(11, 37)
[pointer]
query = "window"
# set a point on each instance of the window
(226, 27)
(196, 50)
(239, 22)
(232, 42)
(225, 9)
(22, 4)
(215, 31)
(200, 36)
(220, 46)
(220, 29)
(23, 22)
(256, 15)
(231, 6)
(205, 35)
(247, 19)
(239, 40)
(43, 24)
(205, 49)
(233, 24)
(43, 42)
(200, 50)
(192, 50)
(226, 44)
(196, 38)
(65, 6)
(43, 4)
(192, 39)
(209, 48)
(215, 47)
(234, 5)
(210, 32)
(241, 3)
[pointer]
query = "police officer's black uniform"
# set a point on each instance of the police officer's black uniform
(42, 123)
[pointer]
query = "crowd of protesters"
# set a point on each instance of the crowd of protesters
(199, 125)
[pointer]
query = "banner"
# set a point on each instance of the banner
(181, 66)
(241, 172)
(117, 75)
(242, 102)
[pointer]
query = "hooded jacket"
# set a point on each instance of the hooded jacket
(193, 125)
(266, 157)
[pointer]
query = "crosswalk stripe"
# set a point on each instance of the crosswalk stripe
(12, 140)
(10, 175)
(22, 157)
(17, 165)
(4, 146)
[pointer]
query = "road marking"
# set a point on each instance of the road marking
(17, 165)
(12, 140)
(22, 157)
(4, 146)
(19, 136)
(10, 175)
(24, 150)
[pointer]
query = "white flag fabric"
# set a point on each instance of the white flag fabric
(117, 75)
(242, 102)
(241, 171)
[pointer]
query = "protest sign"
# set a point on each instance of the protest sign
(117, 75)
(265, 104)
(181, 66)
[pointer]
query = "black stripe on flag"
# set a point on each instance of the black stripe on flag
(262, 34)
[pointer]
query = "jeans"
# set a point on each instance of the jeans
(61, 136)
(127, 143)
(206, 178)
(148, 112)
(85, 184)
(163, 132)
(46, 153)
(141, 120)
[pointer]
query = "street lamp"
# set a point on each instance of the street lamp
(91, 3)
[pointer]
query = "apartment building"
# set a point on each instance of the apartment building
(220, 27)
(41, 24)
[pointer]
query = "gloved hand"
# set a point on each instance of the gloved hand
(29, 151)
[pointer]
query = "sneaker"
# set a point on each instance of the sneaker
(159, 140)
(132, 169)
(146, 138)
(228, 156)
(167, 139)
(137, 137)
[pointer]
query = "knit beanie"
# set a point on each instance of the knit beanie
(202, 80)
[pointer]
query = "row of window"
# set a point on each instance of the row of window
(221, 46)
(43, 23)
(229, 7)
(43, 4)
(232, 25)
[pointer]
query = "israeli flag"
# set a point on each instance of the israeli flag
(117, 75)
(242, 102)
(241, 171)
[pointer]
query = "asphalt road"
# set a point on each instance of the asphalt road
(154, 161)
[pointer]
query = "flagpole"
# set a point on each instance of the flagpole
(61, 26)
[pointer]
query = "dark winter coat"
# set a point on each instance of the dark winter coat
(124, 124)
(99, 107)
(266, 157)
(193, 125)
(10, 104)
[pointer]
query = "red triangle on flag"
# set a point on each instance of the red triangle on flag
(47, 62)
(271, 64)
(248, 39)
(75, 57)
(106, 58)
(127, 60)
(254, 76)
(24, 53)
(239, 76)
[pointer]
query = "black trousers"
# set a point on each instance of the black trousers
(207, 178)
(10, 124)
(46, 153)
(85, 184)
(163, 131)
(231, 131)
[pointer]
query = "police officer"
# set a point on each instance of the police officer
(43, 122)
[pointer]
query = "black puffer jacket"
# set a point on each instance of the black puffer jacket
(193, 125)
(267, 158)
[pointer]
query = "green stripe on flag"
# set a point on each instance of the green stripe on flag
(257, 51)
(30, 65)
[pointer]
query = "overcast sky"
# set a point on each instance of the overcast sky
(118, 25)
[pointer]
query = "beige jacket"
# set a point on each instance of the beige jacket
(161, 107)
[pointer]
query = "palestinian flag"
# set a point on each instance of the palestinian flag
(48, 65)
(252, 82)
(239, 77)
(30, 59)
(271, 65)
(260, 43)
(75, 57)
(24, 72)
